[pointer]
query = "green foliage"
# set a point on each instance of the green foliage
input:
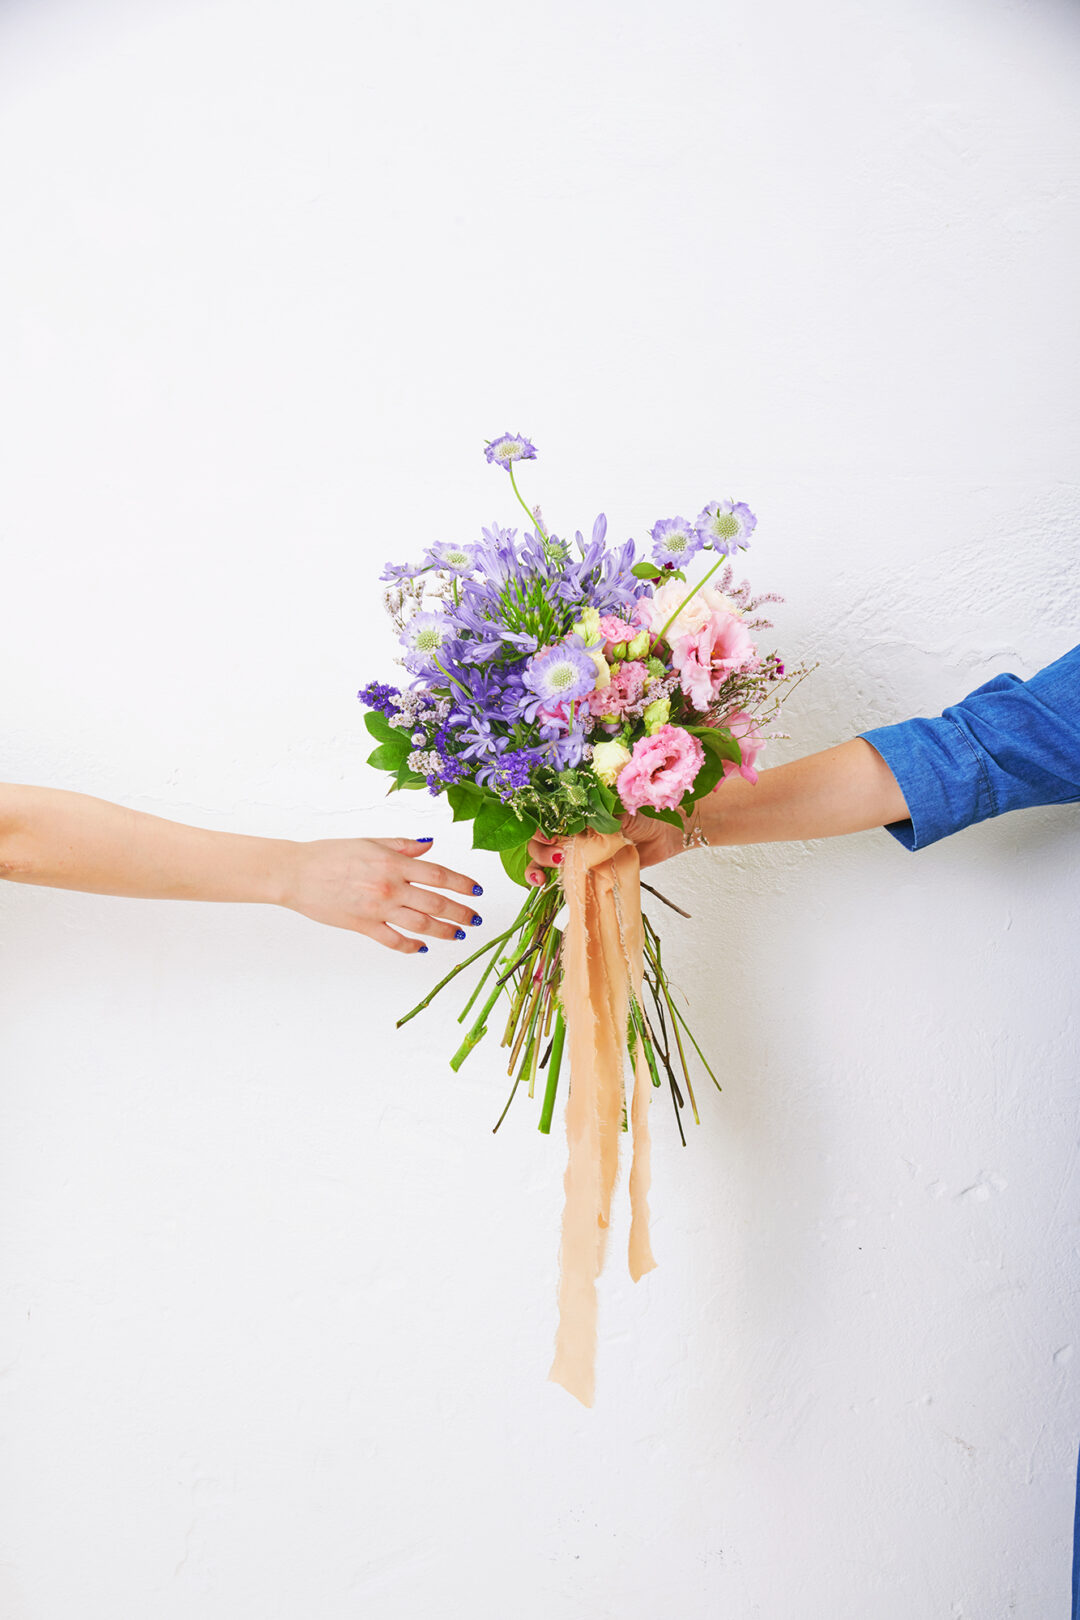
(514, 863)
(645, 570)
(387, 757)
(672, 817)
(498, 826)
(381, 729)
(465, 800)
(719, 745)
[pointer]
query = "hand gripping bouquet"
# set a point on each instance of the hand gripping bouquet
(558, 687)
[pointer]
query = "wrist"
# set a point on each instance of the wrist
(281, 882)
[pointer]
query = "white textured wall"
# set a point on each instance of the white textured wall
(276, 1308)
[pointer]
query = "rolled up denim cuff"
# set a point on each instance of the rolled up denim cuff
(941, 774)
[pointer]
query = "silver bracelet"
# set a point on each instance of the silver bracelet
(693, 833)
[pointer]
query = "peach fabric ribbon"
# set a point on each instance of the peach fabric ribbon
(602, 966)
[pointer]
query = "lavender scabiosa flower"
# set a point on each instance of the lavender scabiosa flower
(674, 542)
(726, 526)
(450, 557)
(424, 638)
(393, 572)
(561, 674)
(509, 447)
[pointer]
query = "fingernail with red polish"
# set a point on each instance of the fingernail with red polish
(556, 859)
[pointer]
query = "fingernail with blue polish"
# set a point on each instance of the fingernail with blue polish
(476, 889)
(460, 934)
(477, 921)
(423, 840)
(422, 949)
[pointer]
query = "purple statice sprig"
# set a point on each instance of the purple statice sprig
(377, 696)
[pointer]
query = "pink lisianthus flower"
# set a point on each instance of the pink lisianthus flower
(706, 658)
(626, 688)
(661, 769)
(750, 741)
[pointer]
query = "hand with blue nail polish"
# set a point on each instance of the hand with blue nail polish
(379, 887)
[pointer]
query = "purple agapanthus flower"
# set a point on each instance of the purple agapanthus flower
(450, 557)
(561, 674)
(674, 542)
(424, 638)
(510, 447)
(726, 526)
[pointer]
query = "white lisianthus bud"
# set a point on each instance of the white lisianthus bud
(603, 668)
(639, 646)
(608, 760)
(588, 627)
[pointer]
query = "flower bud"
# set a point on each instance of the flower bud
(639, 646)
(656, 715)
(603, 669)
(608, 760)
(588, 627)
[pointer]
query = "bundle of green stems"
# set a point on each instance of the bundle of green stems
(525, 966)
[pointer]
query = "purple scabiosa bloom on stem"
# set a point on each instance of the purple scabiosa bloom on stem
(674, 542)
(424, 638)
(726, 526)
(393, 573)
(561, 674)
(510, 447)
(450, 557)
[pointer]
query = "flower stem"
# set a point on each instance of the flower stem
(554, 1065)
(451, 678)
(662, 633)
(532, 515)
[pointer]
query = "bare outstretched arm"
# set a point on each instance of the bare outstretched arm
(372, 886)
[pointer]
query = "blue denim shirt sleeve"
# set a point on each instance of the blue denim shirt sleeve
(1010, 745)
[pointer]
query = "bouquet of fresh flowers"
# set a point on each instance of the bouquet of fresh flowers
(557, 688)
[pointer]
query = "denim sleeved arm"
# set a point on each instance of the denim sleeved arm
(1009, 745)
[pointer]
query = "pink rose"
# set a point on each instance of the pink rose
(750, 742)
(661, 769)
(706, 658)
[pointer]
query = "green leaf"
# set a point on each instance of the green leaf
(381, 729)
(719, 739)
(645, 570)
(409, 779)
(499, 827)
(672, 817)
(600, 811)
(465, 800)
(719, 745)
(514, 863)
(388, 757)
